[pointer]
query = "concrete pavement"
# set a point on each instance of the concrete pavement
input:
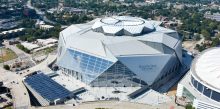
(21, 55)
(17, 88)
(111, 105)
(43, 66)
(14, 82)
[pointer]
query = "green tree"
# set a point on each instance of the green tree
(213, 25)
(197, 37)
(189, 106)
(23, 48)
(206, 34)
(6, 67)
(215, 42)
(218, 27)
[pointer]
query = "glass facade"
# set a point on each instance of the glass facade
(87, 67)
(118, 75)
(205, 91)
(187, 94)
(99, 72)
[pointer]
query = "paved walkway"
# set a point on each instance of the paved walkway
(111, 105)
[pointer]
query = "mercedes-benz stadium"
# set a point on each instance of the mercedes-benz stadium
(120, 51)
(201, 85)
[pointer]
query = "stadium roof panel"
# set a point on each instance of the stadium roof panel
(123, 25)
(84, 38)
(135, 48)
(206, 68)
(46, 87)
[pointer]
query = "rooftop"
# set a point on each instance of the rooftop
(29, 46)
(12, 31)
(189, 86)
(123, 25)
(206, 68)
(99, 37)
(46, 87)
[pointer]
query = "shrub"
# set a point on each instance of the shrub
(6, 67)
(23, 48)
(189, 106)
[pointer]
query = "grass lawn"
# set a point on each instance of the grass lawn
(6, 54)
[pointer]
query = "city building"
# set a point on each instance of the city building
(46, 27)
(30, 46)
(45, 42)
(214, 16)
(46, 90)
(200, 86)
(71, 10)
(6, 24)
(120, 51)
(151, 1)
(40, 24)
(11, 33)
(179, 6)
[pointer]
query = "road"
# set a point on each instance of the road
(22, 56)
(17, 88)
(39, 12)
(14, 82)
(43, 66)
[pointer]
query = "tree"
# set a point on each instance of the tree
(218, 35)
(189, 106)
(215, 42)
(206, 34)
(218, 27)
(23, 48)
(6, 67)
(213, 25)
(197, 37)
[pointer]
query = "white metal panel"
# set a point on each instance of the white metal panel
(147, 67)
(170, 41)
(132, 48)
(207, 68)
(92, 46)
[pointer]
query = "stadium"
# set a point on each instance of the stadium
(120, 51)
(201, 85)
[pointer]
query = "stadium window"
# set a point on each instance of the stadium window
(192, 80)
(207, 91)
(200, 87)
(215, 96)
(173, 69)
(195, 83)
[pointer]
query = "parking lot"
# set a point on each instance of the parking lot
(5, 97)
